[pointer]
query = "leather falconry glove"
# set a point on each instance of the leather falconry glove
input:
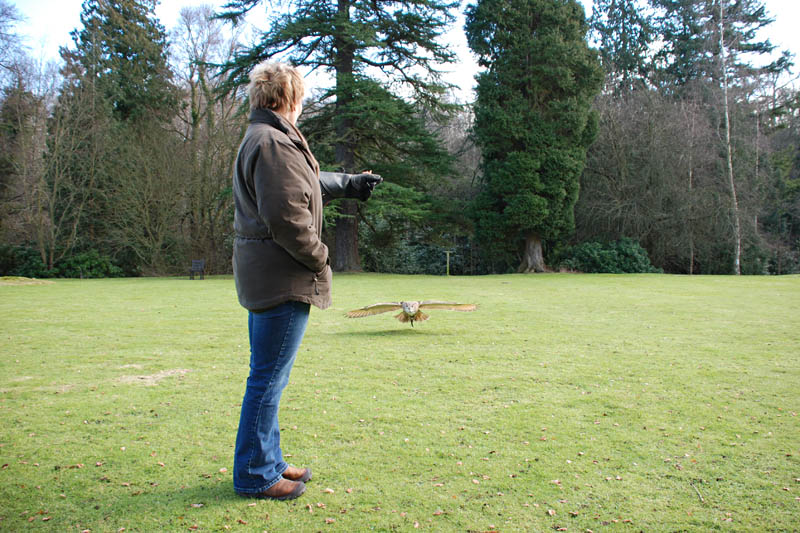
(340, 185)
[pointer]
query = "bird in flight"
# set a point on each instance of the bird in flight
(409, 311)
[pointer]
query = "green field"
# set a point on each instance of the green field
(566, 402)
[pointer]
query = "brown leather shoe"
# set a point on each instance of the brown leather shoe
(284, 489)
(297, 474)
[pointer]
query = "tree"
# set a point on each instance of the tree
(356, 42)
(624, 32)
(124, 47)
(533, 122)
(394, 139)
(209, 126)
(708, 53)
(650, 176)
(689, 33)
(10, 46)
(118, 92)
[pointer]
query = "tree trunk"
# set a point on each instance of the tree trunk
(345, 257)
(532, 259)
(737, 260)
(345, 254)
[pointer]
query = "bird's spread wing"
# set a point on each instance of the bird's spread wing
(374, 309)
(452, 306)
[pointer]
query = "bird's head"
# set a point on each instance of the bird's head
(410, 308)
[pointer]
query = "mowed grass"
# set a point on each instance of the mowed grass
(566, 402)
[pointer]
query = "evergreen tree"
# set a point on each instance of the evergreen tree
(356, 42)
(532, 122)
(123, 46)
(689, 33)
(116, 95)
(708, 54)
(624, 32)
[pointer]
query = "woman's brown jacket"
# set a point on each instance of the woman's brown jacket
(278, 254)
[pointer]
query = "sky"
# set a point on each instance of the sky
(48, 23)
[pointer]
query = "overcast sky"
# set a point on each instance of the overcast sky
(48, 23)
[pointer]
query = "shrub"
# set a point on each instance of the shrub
(89, 264)
(618, 257)
(22, 261)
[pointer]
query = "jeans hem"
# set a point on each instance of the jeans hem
(259, 491)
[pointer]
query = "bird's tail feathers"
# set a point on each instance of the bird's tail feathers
(402, 317)
(421, 317)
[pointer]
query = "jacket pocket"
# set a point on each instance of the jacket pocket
(320, 276)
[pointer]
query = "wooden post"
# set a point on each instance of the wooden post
(448, 252)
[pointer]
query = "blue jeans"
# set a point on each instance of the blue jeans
(275, 336)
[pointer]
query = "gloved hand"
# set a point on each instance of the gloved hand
(340, 185)
(362, 185)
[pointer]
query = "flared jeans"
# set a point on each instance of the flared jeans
(275, 336)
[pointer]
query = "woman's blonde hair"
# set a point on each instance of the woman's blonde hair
(275, 86)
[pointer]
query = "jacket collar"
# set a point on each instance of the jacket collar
(271, 118)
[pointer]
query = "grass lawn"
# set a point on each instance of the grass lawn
(566, 402)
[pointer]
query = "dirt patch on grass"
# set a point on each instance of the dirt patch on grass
(19, 280)
(153, 379)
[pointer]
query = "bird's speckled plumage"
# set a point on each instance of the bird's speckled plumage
(410, 311)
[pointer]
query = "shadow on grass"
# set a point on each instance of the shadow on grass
(390, 333)
(209, 494)
(206, 495)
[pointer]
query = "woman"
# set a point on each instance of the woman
(280, 265)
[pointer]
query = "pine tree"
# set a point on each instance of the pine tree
(356, 42)
(625, 33)
(533, 123)
(708, 55)
(114, 106)
(689, 33)
(123, 46)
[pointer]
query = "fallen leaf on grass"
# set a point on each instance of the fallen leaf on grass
(328, 491)
(197, 505)
(438, 512)
(223, 470)
(330, 520)
(551, 512)
(243, 522)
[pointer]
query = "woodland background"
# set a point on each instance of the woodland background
(652, 136)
